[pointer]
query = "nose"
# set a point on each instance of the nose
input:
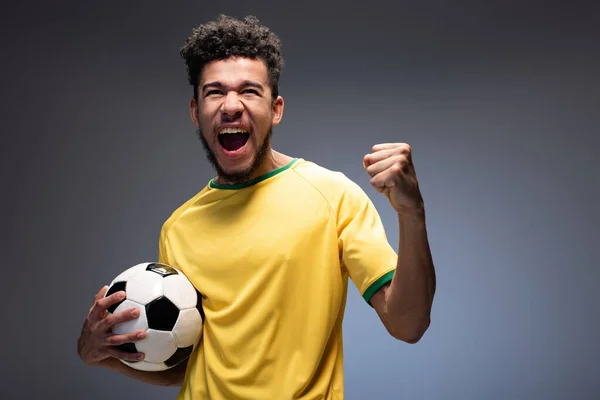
(232, 106)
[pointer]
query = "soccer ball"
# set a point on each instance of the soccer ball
(170, 313)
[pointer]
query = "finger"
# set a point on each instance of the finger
(95, 313)
(97, 297)
(116, 318)
(379, 181)
(387, 163)
(386, 146)
(372, 158)
(131, 337)
(102, 305)
(124, 355)
(387, 178)
(101, 293)
(113, 299)
(388, 150)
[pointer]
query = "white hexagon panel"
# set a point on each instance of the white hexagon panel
(144, 287)
(139, 323)
(125, 275)
(157, 346)
(180, 291)
(188, 328)
(146, 366)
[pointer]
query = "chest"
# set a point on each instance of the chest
(239, 250)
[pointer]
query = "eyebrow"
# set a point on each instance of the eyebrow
(246, 83)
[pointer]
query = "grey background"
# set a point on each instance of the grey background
(499, 100)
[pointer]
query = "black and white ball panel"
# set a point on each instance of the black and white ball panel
(147, 366)
(170, 313)
(180, 291)
(115, 286)
(125, 275)
(144, 288)
(157, 354)
(180, 355)
(128, 347)
(140, 323)
(188, 327)
(162, 314)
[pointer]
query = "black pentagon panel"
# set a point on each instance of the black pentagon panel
(162, 269)
(161, 314)
(116, 287)
(128, 348)
(180, 355)
(199, 304)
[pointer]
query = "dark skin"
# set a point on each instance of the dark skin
(237, 91)
(404, 305)
(232, 92)
(96, 345)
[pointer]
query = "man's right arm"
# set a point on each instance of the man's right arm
(170, 377)
(98, 346)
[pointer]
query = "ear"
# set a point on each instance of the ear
(194, 111)
(277, 111)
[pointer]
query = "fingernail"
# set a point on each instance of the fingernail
(135, 313)
(140, 357)
(121, 296)
(141, 335)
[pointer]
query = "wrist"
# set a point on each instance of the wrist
(412, 215)
(110, 363)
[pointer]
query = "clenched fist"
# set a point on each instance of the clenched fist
(97, 342)
(392, 173)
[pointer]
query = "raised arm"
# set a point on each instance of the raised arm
(404, 305)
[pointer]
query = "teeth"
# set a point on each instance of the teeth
(232, 130)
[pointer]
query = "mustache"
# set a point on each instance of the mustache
(242, 176)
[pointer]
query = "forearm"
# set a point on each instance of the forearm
(170, 377)
(410, 295)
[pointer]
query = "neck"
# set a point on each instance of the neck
(272, 160)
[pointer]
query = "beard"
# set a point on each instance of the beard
(241, 176)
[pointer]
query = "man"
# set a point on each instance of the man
(272, 240)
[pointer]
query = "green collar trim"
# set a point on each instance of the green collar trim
(251, 182)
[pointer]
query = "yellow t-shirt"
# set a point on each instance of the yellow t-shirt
(272, 259)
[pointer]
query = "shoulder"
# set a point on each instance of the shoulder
(324, 179)
(335, 186)
(179, 211)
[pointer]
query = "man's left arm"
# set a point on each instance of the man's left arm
(404, 305)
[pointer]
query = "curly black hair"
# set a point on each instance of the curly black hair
(228, 36)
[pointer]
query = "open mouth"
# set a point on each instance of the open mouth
(232, 139)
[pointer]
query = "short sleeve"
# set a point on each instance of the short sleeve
(365, 250)
(162, 248)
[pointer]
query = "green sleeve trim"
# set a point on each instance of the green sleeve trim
(378, 284)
